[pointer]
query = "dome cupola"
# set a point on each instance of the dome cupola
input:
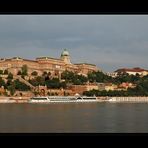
(65, 56)
(65, 53)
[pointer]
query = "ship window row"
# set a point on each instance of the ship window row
(39, 98)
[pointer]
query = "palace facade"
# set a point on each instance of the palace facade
(41, 64)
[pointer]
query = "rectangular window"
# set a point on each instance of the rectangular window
(57, 66)
(5, 65)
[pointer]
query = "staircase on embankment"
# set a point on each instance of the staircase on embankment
(24, 81)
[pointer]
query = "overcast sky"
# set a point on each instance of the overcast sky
(109, 41)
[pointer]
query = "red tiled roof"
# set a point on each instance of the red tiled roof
(136, 69)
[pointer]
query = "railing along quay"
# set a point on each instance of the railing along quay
(128, 99)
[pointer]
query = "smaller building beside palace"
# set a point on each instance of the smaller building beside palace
(133, 71)
(130, 71)
(41, 64)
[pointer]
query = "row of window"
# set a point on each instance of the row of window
(33, 66)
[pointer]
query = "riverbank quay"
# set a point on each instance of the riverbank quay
(5, 99)
(128, 99)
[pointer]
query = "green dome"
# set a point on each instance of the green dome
(65, 53)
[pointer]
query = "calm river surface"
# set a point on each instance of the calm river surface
(74, 117)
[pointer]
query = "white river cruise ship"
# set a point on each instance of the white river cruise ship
(54, 99)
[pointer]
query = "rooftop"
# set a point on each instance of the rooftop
(136, 69)
(46, 58)
(85, 64)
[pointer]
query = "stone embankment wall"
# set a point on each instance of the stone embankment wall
(4, 99)
(128, 99)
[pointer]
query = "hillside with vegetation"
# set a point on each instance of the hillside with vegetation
(70, 78)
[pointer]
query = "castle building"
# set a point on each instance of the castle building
(41, 64)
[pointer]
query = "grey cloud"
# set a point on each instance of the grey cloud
(110, 41)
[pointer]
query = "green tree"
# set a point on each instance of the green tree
(63, 85)
(9, 82)
(71, 77)
(21, 86)
(38, 81)
(1, 71)
(91, 77)
(12, 90)
(98, 77)
(67, 76)
(10, 76)
(53, 83)
(19, 73)
(80, 79)
(5, 71)
(34, 73)
(2, 82)
(24, 70)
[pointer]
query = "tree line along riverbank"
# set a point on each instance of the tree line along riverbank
(11, 83)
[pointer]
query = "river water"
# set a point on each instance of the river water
(74, 118)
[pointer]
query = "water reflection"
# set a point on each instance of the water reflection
(70, 117)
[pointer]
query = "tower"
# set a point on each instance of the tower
(65, 56)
